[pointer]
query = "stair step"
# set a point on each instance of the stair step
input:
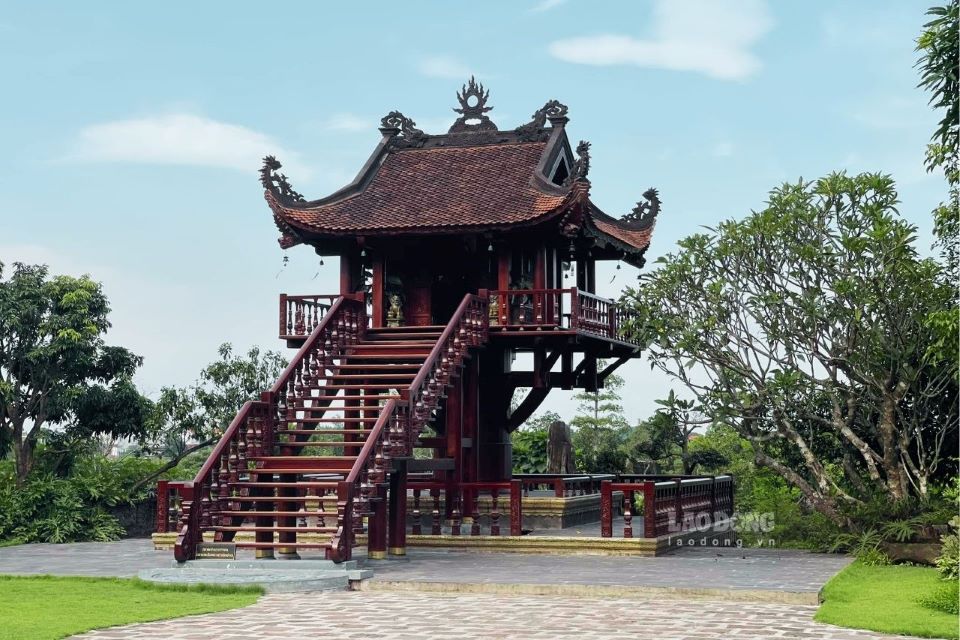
(412, 327)
(283, 499)
(307, 432)
(323, 420)
(369, 376)
(378, 367)
(301, 458)
(269, 484)
(293, 471)
(264, 514)
(348, 387)
(322, 443)
(283, 529)
(353, 357)
(274, 545)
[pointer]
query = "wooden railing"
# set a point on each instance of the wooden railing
(558, 310)
(369, 470)
(671, 506)
(247, 435)
(169, 499)
(300, 315)
(254, 429)
(475, 508)
(467, 329)
(562, 485)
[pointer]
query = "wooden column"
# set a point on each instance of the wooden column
(471, 387)
(378, 293)
(347, 265)
(377, 536)
(397, 541)
(591, 265)
(582, 275)
(453, 418)
(503, 268)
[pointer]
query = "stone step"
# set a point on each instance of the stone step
(279, 576)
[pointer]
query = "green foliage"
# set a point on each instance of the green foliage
(46, 607)
(600, 433)
(55, 366)
(72, 507)
(945, 599)
(797, 325)
(948, 562)
(530, 450)
(885, 599)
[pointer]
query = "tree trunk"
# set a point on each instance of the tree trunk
(896, 485)
(170, 464)
(23, 454)
(825, 505)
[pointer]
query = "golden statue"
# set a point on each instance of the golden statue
(394, 313)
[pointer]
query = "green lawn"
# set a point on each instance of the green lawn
(46, 607)
(885, 599)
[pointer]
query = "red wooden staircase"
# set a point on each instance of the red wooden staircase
(314, 454)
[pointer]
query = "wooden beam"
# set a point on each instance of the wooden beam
(610, 368)
(526, 408)
(378, 292)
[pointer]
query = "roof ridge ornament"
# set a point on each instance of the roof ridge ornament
(396, 123)
(533, 131)
(644, 214)
(472, 112)
(277, 183)
(581, 166)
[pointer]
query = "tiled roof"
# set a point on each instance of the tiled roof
(435, 189)
(638, 238)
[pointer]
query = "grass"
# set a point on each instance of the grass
(13, 542)
(885, 599)
(49, 607)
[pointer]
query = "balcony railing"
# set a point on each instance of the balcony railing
(558, 310)
(300, 315)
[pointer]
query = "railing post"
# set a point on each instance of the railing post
(649, 510)
(283, 314)
(606, 509)
(516, 508)
(612, 320)
(574, 309)
(163, 506)
(678, 506)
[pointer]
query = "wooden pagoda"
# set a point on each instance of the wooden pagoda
(453, 251)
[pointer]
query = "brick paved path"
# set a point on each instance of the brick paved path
(415, 616)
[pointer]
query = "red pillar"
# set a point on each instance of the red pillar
(378, 293)
(397, 542)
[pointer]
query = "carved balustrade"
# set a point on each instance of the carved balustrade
(559, 310)
(300, 315)
(467, 329)
(474, 509)
(562, 486)
(670, 506)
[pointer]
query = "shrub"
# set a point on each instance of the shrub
(864, 546)
(946, 598)
(948, 562)
(529, 450)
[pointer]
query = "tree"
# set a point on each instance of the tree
(186, 420)
(600, 432)
(805, 326)
(529, 444)
(939, 47)
(55, 368)
(666, 436)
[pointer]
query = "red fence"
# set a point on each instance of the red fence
(673, 506)
(562, 485)
(477, 504)
(300, 315)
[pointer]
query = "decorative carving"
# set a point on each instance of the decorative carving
(581, 167)
(411, 135)
(646, 211)
(476, 111)
(535, 129)
(394, 313)
(277, 182)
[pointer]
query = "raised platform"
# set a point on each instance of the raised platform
(275, 576)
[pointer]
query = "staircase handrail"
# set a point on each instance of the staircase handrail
(310, 344)
(415, 388)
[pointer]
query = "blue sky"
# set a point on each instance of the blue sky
(132, 132)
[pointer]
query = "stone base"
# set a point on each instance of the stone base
(272, 575)
(539, 511)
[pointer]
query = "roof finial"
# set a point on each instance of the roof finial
(277, 183)
(581, 167)
(476, 111)
(644, 214)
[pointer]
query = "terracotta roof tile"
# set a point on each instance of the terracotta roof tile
(436, 188)
(638, 238)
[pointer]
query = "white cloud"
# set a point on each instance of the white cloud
(707, 36)
(723, 149)
(444, 67)
(546, 5)
(348, 122)
(179, 139)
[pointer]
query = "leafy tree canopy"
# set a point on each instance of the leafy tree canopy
(55, 368)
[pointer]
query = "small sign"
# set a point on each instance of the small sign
(216, 551)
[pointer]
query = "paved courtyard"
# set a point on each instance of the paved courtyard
(415, 616)
(396, 605)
